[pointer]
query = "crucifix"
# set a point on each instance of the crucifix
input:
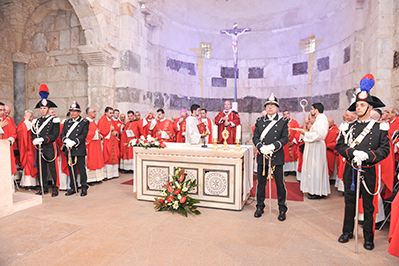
(308, 46)
(234, 33)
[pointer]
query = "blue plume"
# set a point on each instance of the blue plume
(44, 95)
(366, 84)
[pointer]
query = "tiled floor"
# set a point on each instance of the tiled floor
(111, 227)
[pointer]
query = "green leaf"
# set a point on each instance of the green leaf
(183, 211)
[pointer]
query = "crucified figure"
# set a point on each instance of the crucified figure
(234, 33)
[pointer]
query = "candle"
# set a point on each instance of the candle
(215, 132)
(238, 132)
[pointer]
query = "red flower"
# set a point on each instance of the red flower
(161, 200)
(152, 141)
(177, 191)
(169, 198)
(183, 199)
(170, 189)
(146, 141)
(163, 145)
(181, 178)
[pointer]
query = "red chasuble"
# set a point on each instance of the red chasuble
(394, 229)
(208, 124)
(27, 149)
(95, 159)
(300, 155)
(291, 153)
(331, 142)
(179, 127)
(110, 142)
(10, 131)
(127, 152)
(145, 128)
(167, 126)
(233, 119)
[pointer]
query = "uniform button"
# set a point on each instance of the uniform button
(275, 137)
(275, 130)
(263, 125)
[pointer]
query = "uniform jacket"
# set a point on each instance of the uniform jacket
(78, 134)
(49, 133)
(375, 144)
(277, 135)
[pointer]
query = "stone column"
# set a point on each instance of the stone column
(101, 77)
(19, 91)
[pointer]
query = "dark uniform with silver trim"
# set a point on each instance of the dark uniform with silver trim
(78, 135)
(278, 136)
(49, 133)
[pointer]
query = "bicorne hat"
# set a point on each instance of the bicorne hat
(75, 106)
(366, 83)
(272, 100)
(44, 102)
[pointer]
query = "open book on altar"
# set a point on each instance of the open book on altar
(202, 128)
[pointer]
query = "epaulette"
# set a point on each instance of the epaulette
(56, 120)
(259, 118)
(384, 125)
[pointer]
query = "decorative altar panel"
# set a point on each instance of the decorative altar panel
(224, 177)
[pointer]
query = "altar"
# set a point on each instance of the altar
(224, 178)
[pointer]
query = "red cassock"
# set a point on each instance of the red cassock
(110, 142)
(180, 126)
(167, 126)
(291, 153)
(208, 124)
(27, 149)
(394, 228)
(331, 142)
(10, 131)
(127, 152)
(233, 119)
(392, 128)
(95, 158)
(300, 155)
(388, 173)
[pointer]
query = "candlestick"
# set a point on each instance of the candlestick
(237, 147)
(215, 144)
(238, 132)
(215, 133)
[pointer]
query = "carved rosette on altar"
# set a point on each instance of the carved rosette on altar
(216, 183)
(157, 177)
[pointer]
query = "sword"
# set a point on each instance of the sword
(269, 176)
(40, 169)
(71, 166)
(357, 206)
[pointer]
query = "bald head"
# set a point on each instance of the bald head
(392, 113)
(7, 110)
(330, 122)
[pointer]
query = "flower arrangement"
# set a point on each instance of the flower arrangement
(175, 195)
(148, 142)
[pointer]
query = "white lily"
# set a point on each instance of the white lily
(176, 205)
(185, 189)
(177, 185)
(179, 196)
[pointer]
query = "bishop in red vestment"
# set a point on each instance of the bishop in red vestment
(95, 159)
(27, 151)
(228, 119)
(130, 132)
(147, 124)
(109, 133)
(180, 126)
(164, 129)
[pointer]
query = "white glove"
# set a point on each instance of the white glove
(357, 160)
(69, 143)
(361, 154)
(267, 149)
(37, 141)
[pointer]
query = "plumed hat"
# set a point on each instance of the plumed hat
(44, 102)
(272, 100)
(366, 83)
(75, 106)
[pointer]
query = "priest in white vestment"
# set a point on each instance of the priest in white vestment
(315, 179)
(192, 134)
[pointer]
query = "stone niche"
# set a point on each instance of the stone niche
(55, 61)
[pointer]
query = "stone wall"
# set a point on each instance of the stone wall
(55, 61)
(6, 66)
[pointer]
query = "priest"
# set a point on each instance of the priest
(227, 119)
(95, 157)
(193, 135)
(291, 149)
(8, 131)
(331, 142)
(109, 133)
(27, 151)
(147, 124)
(164, 129)
(180, 126)
(130, 132)
(208, 124)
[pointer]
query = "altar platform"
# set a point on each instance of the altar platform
(224, 178)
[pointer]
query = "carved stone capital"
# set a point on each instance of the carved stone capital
(95, 55)
(21, 57)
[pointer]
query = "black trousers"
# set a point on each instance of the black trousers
(280, 185)
(48, 166)
(350, 201)
(81, 165)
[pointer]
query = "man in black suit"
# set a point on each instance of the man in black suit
(45, 131)
(270, 135)
(74, 135)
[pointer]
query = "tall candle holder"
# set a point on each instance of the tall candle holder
(225, 136)
(215, 144)
(237, 147)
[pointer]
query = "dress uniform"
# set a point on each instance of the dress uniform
(45, 131)
(365, 141)
(73, 136)
(270, 136)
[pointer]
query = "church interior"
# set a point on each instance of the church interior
(148, 54)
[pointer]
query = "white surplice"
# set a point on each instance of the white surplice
(192, 134)
(314, 178)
